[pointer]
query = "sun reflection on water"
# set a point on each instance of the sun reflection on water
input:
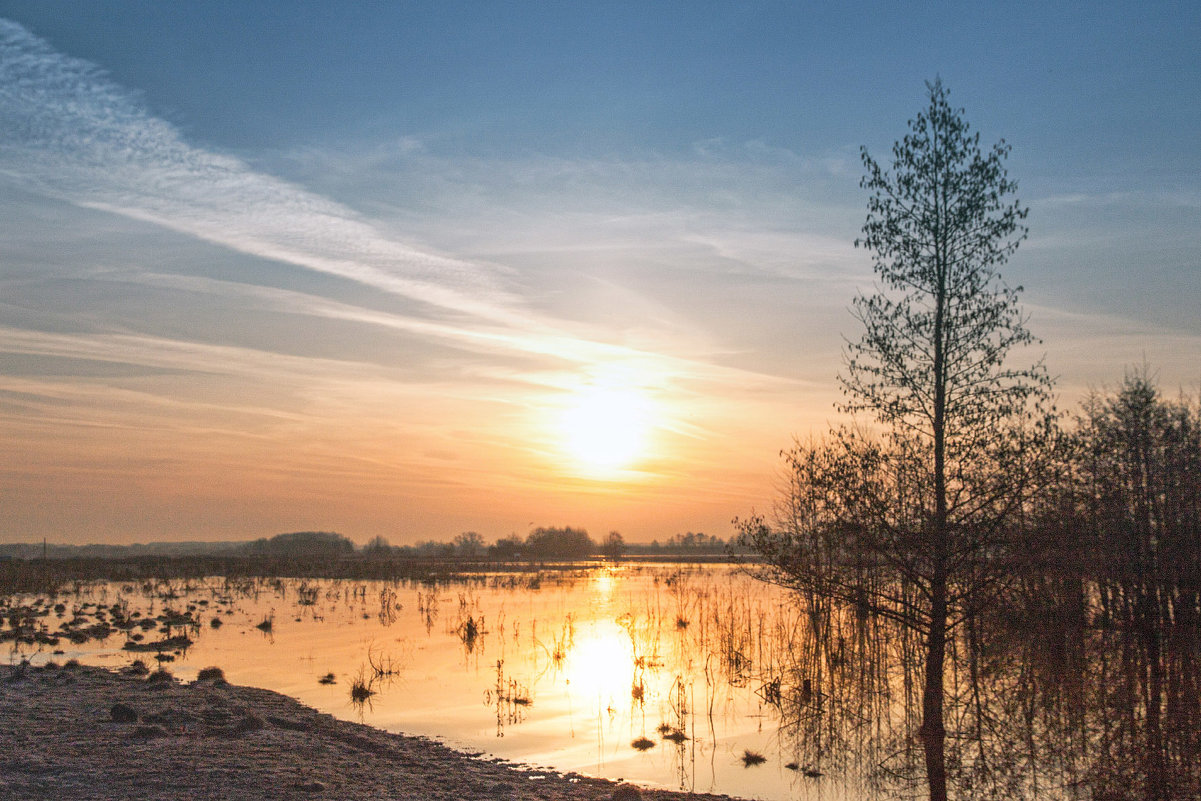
(568, 669)
(601, 663)
(603, 581)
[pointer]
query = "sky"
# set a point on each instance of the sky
(413, 269)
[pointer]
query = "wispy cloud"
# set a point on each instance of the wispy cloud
(71, 133)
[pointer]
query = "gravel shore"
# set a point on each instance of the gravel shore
(89, 733)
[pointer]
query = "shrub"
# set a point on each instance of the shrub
(211, 674)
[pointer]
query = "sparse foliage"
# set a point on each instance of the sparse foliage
(559, 543)
(469, 545)
(914, 515)
(378, 546)
(509, 547)
(303, 543)
(614, 545)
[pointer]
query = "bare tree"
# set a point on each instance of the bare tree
(913, 516)
(614, 545)
(469, 544)
(1139, 469)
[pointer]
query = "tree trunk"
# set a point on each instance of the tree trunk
(933, 732)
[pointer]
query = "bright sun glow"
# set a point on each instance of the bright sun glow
(601, 662)
(606, 429)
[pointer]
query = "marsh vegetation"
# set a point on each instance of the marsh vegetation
(589, 669)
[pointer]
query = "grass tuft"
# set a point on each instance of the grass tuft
(675, 735)
(361, 690)
(752, 758)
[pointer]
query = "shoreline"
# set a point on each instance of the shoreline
(80, 732)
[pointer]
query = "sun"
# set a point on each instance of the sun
(605, 428)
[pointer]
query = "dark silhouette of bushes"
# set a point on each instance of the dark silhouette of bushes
(303, 543)
(559, 543)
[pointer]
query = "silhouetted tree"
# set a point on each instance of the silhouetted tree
(614, 545)
(469, 544)
(378, 546)
(1140, 480)
(559, 543)
(433, 549)
(918, 522)
(509, 547)
(303, 544)
(695, 541)
(1140, 466)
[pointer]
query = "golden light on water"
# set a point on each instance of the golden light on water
(602, 662)
(603, 584)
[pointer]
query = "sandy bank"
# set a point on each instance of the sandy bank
(88, 733)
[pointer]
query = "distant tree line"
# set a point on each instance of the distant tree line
(306, 543)
(548, 543)
(543, 543)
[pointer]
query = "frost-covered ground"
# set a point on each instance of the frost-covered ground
(89, 733)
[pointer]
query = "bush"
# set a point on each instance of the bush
(211, 674)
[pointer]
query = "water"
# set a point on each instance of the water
(559, 669)
(673, 677)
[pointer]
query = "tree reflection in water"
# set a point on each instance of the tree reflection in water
(1069, 690)
(1088, 694)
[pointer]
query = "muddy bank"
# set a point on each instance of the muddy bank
(89, 733)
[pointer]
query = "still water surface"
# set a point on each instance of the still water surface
(651, 673)
(677, 677)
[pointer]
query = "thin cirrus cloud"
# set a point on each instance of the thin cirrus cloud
(72, 134)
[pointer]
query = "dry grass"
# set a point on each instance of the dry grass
(675, 735)
(361, 689)
(750, 758)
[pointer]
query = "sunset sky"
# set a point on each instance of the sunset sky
(411, 269)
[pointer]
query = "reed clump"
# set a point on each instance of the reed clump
(361, 689)
(750, 758)
(675, 735)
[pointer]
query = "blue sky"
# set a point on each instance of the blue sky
(347, 266)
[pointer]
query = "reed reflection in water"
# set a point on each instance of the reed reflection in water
(680, 678)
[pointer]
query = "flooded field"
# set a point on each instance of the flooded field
(657, 674)
(697, 678)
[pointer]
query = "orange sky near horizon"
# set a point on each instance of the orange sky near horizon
(333, 453)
